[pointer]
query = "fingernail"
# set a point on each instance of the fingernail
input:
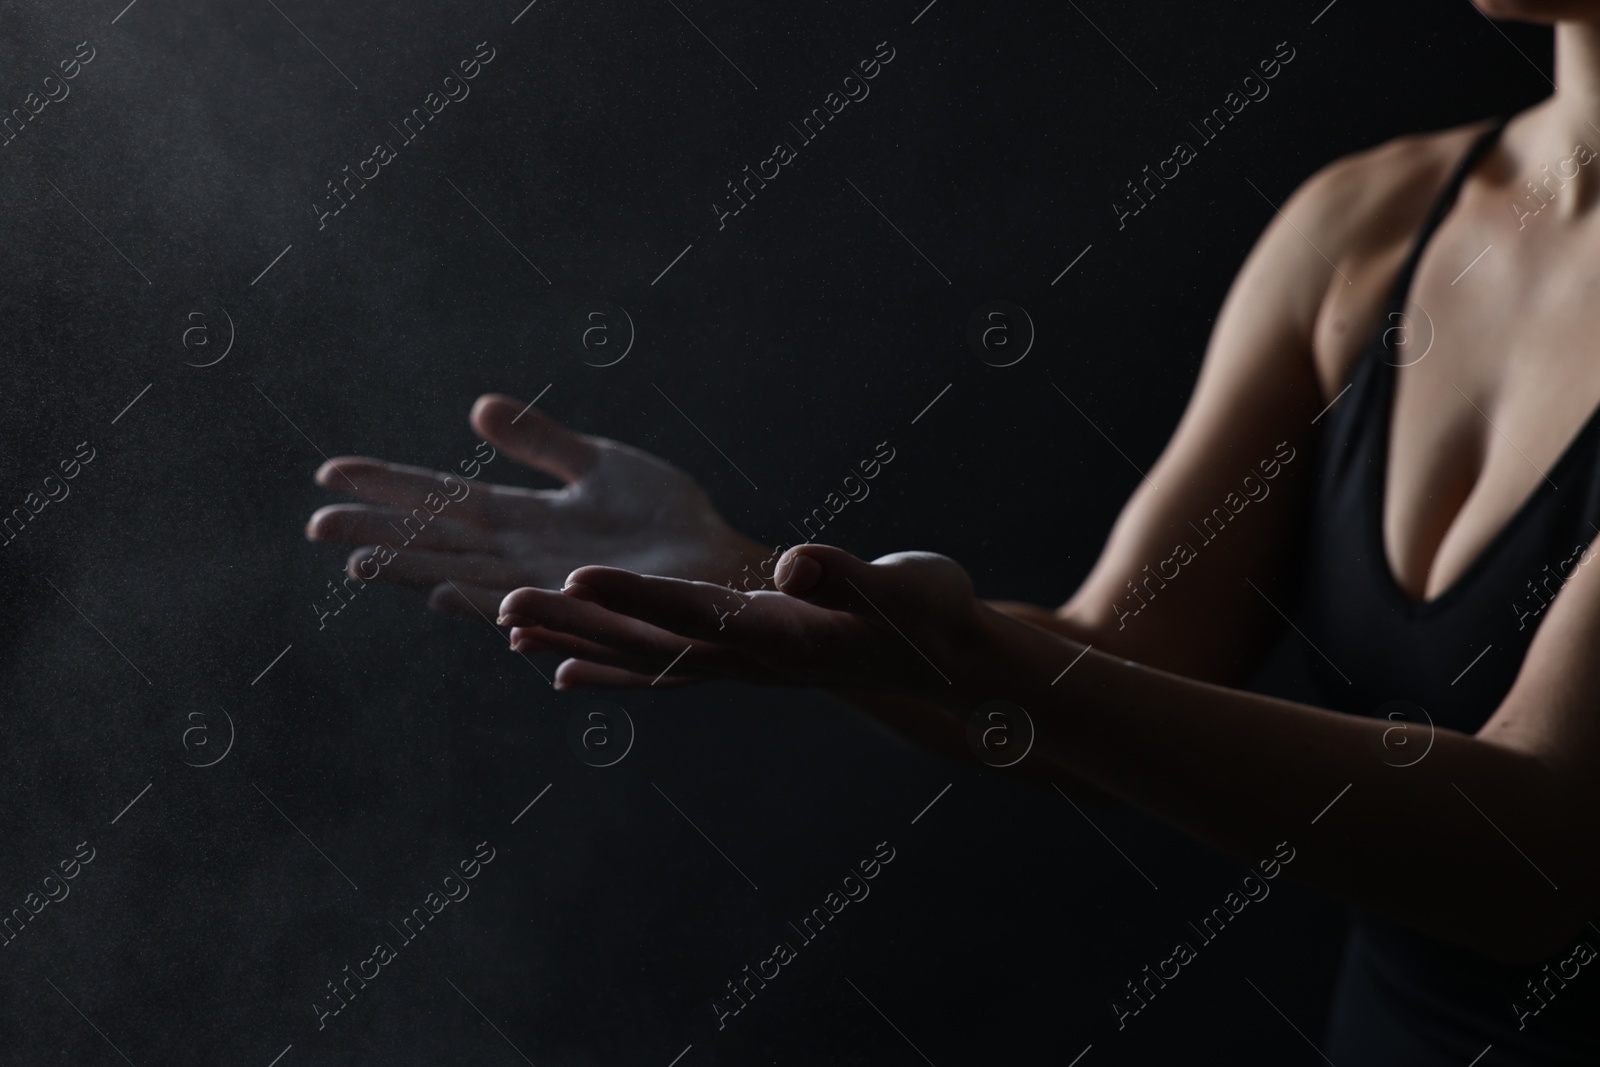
(797, 574)
(580, 591)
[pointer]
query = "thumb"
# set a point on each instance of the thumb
(893, 586)
(533, 438)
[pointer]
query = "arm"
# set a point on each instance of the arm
(1257, 387)
(1486, 843)
(1469, 845)
(624, 508)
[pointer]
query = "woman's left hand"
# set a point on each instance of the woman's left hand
(906, 622)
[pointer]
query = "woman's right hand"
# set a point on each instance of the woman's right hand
(620, 507)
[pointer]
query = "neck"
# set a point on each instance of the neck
(1550, 135)
(1578, 71)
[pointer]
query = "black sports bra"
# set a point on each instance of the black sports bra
(1404, 998)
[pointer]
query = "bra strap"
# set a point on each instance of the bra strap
(1441, 206)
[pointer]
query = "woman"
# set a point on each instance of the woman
(1405, 364)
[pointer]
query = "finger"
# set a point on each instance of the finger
(532, 438)
(401, 485)
(578, 673)
(420, 568)
(531, 639)
(897, 586)
(467, 600)
(697, 610)
(361, 524)
(542, 639)
(620, 634)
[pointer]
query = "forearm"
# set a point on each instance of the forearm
(946, 733)
(1468, 843)
(1244, 771)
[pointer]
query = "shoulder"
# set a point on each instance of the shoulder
(1359, 205)
(1330, 255)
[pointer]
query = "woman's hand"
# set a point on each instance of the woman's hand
(620, 506)
(906, 623)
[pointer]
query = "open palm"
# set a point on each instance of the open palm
(620, 507)
(907, 622)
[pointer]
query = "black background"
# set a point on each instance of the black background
(198, 140)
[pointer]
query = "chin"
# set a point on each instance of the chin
(1543, 11)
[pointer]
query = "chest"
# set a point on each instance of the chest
(1495, 364)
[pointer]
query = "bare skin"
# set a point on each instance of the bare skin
(619, 505)
(1146, 714)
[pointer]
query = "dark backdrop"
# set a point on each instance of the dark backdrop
(379, 751)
